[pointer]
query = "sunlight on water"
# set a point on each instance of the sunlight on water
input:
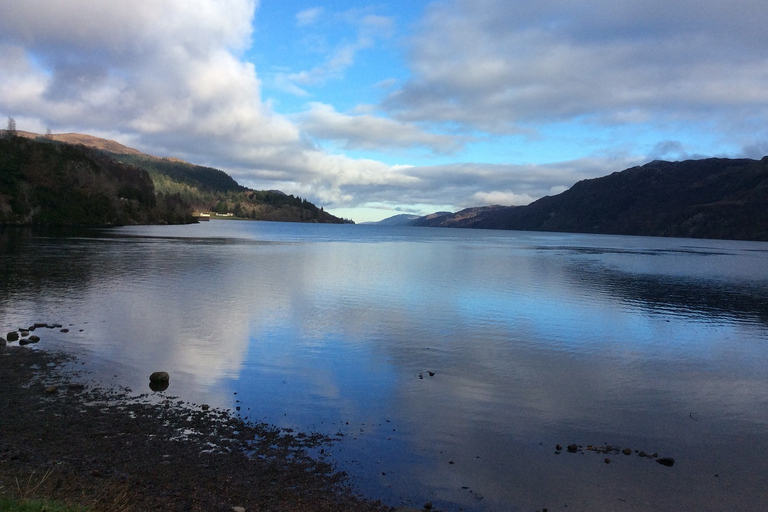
(451, 362)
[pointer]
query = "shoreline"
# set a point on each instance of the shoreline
(80, 445)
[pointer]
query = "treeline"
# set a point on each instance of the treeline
(45, 182)
(210, 190)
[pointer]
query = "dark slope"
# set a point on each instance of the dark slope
(711, 198)
(62, 184)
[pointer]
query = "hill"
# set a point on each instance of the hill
(196, 188)
(403, 219)
(54, 183)
(90, 141)
(710, 198)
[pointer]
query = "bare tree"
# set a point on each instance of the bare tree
(10, 131)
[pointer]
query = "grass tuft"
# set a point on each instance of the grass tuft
(13, 505)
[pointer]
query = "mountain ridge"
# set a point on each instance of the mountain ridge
(709, 198)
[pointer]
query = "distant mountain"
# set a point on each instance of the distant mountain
(710, 198)
(403, 219)
(467, 218)
(194, 187)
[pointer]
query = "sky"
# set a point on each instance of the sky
(382, 108)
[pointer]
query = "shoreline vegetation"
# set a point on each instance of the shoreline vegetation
(65, 444)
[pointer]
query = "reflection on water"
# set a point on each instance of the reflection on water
(450, 361)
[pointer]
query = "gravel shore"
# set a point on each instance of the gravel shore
(110, 451)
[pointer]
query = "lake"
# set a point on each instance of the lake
(448, 363)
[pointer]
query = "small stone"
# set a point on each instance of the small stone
(24, 333)
(51, 389)
(558, 447)
(431, 374)
(33, 339)
(642, 454)
(666, 461)
(12, 336)
(238, 509)
(607, 460)
(205, 407)
(572, 448)
(64, 330)
(627, 451)
(428, 505)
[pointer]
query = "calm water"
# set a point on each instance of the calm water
(534, 339)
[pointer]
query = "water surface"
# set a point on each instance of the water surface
(534, 339)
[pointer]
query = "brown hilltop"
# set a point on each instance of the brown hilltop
(86, 140)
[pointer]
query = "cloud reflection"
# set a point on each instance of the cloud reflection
(532, 338)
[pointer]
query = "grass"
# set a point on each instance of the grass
(27, 498)
(26, 503)
(13, 505)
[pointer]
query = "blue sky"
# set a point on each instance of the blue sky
(375, 109)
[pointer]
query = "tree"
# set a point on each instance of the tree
(10, 131)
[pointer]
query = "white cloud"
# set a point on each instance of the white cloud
(369, 132)
(308, 16)
(163, 70)
(458, 184)
(495, 65)
(369, 28)
(500, 197)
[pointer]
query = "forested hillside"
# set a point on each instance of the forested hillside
(54, 183)
(44, 181)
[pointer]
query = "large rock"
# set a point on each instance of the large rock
(12, 336)
(158, 381)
